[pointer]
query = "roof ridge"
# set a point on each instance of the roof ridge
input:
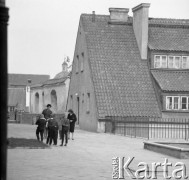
(28, 74)
(171, 70)
(151, 18)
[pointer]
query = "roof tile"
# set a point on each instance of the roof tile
(172, 80)
(121, 79)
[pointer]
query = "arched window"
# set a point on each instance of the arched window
(37, 102)
(54, 100)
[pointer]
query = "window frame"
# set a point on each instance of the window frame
(160, 61)
(187, 62)
(187, 99)
(167, 102)
(180, 58)
(170, 63)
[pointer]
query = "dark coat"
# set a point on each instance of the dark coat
(47, 113)
(41, 122)
(53, 123)
(72, 118)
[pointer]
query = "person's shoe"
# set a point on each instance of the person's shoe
(65, 144)
(72, 138)
(61, 145)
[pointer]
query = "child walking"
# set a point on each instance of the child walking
(41, 122)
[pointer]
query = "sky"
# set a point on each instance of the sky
(41, 33)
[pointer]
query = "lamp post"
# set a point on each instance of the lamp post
(4, 16)
(28, 95)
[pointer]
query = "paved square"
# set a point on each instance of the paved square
(87, 157)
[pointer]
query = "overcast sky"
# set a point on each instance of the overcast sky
(42, 32)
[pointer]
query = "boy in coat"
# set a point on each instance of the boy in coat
(65, 127)
(41, 122)
(53, 129)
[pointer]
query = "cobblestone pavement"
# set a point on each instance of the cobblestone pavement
(87, 157)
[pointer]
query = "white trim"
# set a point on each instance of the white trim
(187, 62)
(160, 61)
(179, 65)
(179, 102)
(186, 102)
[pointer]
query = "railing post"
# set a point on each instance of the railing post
(148, 125)
(135, 126)
(113, 126)
(185, 130)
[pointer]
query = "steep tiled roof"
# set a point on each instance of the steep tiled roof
(52, 82)
(22, 79)
(169, 22)
(169, 34)
(172, 80)
(61, 74)
(121, 79)
(16, 96)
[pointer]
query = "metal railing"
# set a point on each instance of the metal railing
(149, 128)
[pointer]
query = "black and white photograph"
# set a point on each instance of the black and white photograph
(94, 89)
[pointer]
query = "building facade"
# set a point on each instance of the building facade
(53, 91)
(129, 67)
(19, 91)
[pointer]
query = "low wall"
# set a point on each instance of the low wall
(181, 153)
(30, 118)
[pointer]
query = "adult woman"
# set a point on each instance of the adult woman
(72, 118)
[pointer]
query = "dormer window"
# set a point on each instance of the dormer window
(171, 62)
(177, 103)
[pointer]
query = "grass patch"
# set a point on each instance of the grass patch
(25, 143)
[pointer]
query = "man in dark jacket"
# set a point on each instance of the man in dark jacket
(47, 112)
(41, 122)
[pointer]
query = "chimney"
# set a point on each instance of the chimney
(118, 14)
(140, 26)
(93, 16)
(29, 81)
(64, 66)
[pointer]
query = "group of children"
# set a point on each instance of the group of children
(50, 126)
